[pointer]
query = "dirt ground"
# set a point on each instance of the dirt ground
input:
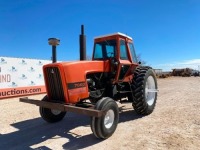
(174, 124)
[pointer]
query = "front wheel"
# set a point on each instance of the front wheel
(104, 126)
(51, 115)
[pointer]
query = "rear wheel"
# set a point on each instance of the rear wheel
(51, 115)
(144, 88)
(104, 126)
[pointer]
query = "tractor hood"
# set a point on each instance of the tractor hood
(78, 70)
(71, 77)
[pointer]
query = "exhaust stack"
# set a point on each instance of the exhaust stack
(82, 42)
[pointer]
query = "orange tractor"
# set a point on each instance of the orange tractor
(94, 87)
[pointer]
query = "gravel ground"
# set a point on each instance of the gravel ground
(174, 124)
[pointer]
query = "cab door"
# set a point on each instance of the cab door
(126, 65)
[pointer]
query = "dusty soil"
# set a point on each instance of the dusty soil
(174, 124)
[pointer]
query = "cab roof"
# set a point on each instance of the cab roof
(118, 33)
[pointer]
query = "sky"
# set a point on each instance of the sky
(166, 33)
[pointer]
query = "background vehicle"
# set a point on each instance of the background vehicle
(112, 75)
(185, 72)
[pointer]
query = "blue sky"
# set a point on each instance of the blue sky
(166, 33)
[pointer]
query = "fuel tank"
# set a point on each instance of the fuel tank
(66, 81)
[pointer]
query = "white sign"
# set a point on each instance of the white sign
(20, 73)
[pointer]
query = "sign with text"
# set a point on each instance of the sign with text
(20, 76)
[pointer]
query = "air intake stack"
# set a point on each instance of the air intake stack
(53, 42)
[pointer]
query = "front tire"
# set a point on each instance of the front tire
(144, 90)
(51, 115)
(104, 126)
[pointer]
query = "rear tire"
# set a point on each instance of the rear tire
(144, 90)
(51, 115)
(104, 126)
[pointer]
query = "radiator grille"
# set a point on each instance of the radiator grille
(54, 84)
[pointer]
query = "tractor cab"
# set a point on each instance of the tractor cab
(119, 49)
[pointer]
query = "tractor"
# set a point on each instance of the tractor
(94, 87)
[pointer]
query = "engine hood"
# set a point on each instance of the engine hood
(70, 77)
(76, 71)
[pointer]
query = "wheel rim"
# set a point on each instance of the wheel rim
(55, 112)
(150, 90)
(109, 119)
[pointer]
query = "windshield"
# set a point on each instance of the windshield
(104, 50)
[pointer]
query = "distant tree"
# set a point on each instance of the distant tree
(139, 58)
(88, 57)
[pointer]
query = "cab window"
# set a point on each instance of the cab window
(104, 50)
(123, 50)
(98, 51)
(131, 47)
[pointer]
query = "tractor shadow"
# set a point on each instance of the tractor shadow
(128, 114)
(35, 131)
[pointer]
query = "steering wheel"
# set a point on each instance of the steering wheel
(111, 54)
